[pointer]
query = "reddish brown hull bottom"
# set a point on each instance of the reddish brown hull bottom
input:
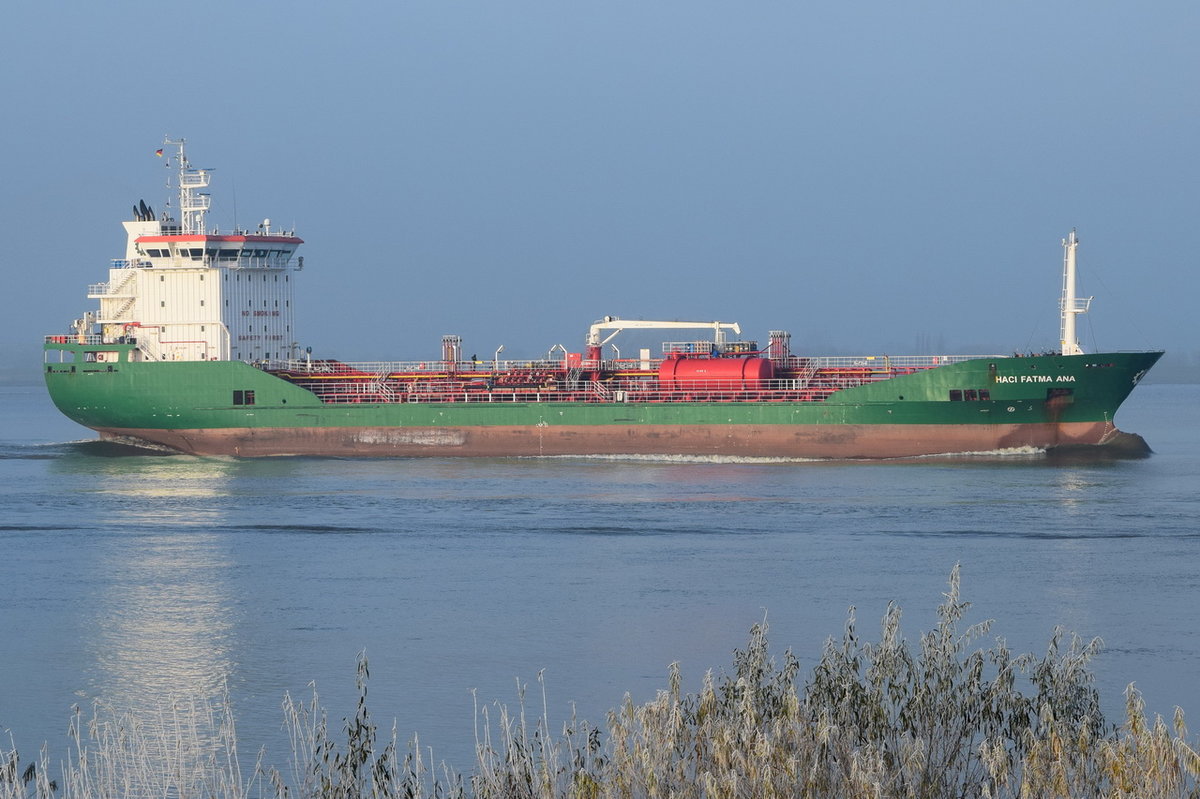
(770, 441)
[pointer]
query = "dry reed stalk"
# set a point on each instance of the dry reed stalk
(882, 720)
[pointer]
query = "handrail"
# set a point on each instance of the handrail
(482, 368)
(207, 261)
(449, 386)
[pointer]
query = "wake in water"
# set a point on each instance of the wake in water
(1010, 454)
(676, 458)
(93, 447)
(1062, 456)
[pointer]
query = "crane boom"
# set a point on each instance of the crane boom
(616, 325)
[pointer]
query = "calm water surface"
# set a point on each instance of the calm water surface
(134, 578)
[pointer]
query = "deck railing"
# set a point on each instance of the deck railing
(811, 385)
(615, 366)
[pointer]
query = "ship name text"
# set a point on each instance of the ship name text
(1035, 378)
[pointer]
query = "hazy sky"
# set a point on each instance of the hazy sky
(872, 176)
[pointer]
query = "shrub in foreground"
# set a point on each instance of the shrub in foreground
(941, 718)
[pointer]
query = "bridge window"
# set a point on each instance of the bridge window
(243, 397)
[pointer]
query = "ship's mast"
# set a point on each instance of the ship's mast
(193, 203)
(1070, 305)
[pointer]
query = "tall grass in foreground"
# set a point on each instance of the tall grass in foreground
(941, 718)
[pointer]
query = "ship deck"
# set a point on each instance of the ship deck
(796, 379)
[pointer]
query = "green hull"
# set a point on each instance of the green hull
(187, 406)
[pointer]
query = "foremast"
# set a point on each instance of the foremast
(1071, 305)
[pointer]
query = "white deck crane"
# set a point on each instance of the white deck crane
(615, 324)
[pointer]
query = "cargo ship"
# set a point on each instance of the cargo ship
(193, 349)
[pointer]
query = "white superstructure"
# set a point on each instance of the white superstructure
(187, 293)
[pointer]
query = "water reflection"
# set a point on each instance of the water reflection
(163, 621)
(163, 615)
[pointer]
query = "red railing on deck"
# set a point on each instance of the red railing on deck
(797, 380)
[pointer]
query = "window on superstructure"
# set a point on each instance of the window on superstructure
(985, 394)
(243, 397)
(970, 395)
(956, 395)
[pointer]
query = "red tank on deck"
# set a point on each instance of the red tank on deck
(682, 371)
